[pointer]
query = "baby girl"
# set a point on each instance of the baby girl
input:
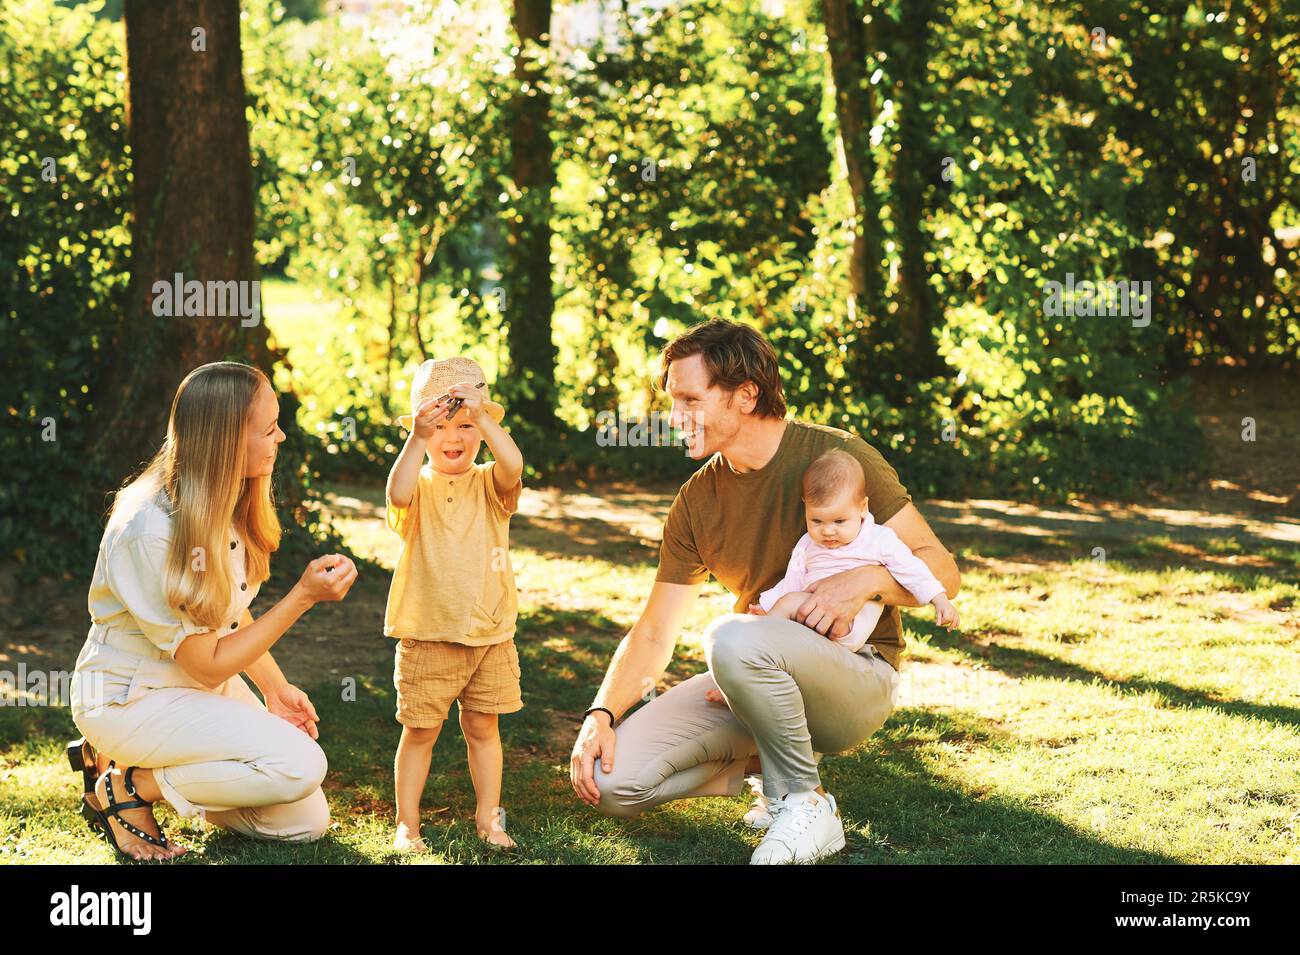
(841, 535)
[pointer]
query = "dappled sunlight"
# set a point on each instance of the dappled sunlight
(1096, 521)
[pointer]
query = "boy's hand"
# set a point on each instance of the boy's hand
(426, 417)
(945, 614)
(471, 397)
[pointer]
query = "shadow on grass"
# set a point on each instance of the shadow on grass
(911, 814)
(1171, 550)
(1019, 662)
(897, 803)
(898, 807)
(582, 537)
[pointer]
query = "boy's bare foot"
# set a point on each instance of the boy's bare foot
(408, 839)
(493, 833)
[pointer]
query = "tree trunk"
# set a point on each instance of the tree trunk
(531, 299)
(855, 110)
(193, 216)
(915, 166)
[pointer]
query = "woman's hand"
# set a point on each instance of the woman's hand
(290, 703)
(327, 578)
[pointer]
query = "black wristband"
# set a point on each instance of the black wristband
(600, 709)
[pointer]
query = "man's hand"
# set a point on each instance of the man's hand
(290, 703)
(832, 604)
(595, 741)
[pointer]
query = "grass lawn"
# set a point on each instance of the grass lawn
(1144, 709)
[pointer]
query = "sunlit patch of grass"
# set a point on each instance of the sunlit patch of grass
(1125, 710)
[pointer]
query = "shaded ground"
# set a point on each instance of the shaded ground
(1126, 687)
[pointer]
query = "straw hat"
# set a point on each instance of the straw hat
(434, 379)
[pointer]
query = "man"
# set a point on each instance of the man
(775, 689)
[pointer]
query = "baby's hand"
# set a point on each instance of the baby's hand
(945, 614)
(757, 610)
(713, 694)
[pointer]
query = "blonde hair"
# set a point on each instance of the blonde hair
(201, 467)
(831, 472)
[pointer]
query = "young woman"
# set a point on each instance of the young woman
(157, 692)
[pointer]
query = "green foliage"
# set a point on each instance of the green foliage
(64, 202)
(697, 175)
(66, 240)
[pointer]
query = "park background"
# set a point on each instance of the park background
(884, 188)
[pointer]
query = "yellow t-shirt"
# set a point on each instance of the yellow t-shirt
(453, 580)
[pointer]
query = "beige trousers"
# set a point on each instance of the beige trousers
(218, 754)
(791, 694)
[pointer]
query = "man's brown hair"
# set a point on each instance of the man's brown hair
(831, 472)
(733, 354)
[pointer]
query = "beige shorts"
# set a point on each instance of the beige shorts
(429, 674)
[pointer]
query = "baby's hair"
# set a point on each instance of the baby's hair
(830, 473)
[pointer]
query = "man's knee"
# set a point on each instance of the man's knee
(737, 644)
(620, 796)
(727, 641)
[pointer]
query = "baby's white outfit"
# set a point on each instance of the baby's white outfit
(875, 544)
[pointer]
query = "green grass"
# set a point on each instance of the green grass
(1144, 710)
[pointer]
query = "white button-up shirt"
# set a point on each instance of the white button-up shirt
(134, 634)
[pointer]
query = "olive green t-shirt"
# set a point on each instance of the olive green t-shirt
(742, 527)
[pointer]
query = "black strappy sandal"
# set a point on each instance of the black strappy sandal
(81, 757)
(98, 818)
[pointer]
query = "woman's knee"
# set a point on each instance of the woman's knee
(304, 771)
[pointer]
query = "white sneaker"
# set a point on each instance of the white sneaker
(806, 828)
(759, 815)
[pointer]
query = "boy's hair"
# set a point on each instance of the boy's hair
(827, 475)
(733, 354)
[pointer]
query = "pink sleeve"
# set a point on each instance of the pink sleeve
(795, 578)
(908, 569)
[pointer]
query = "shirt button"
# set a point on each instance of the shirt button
(234, 625)
(243, 586)
(234, 544)
(448, 500)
